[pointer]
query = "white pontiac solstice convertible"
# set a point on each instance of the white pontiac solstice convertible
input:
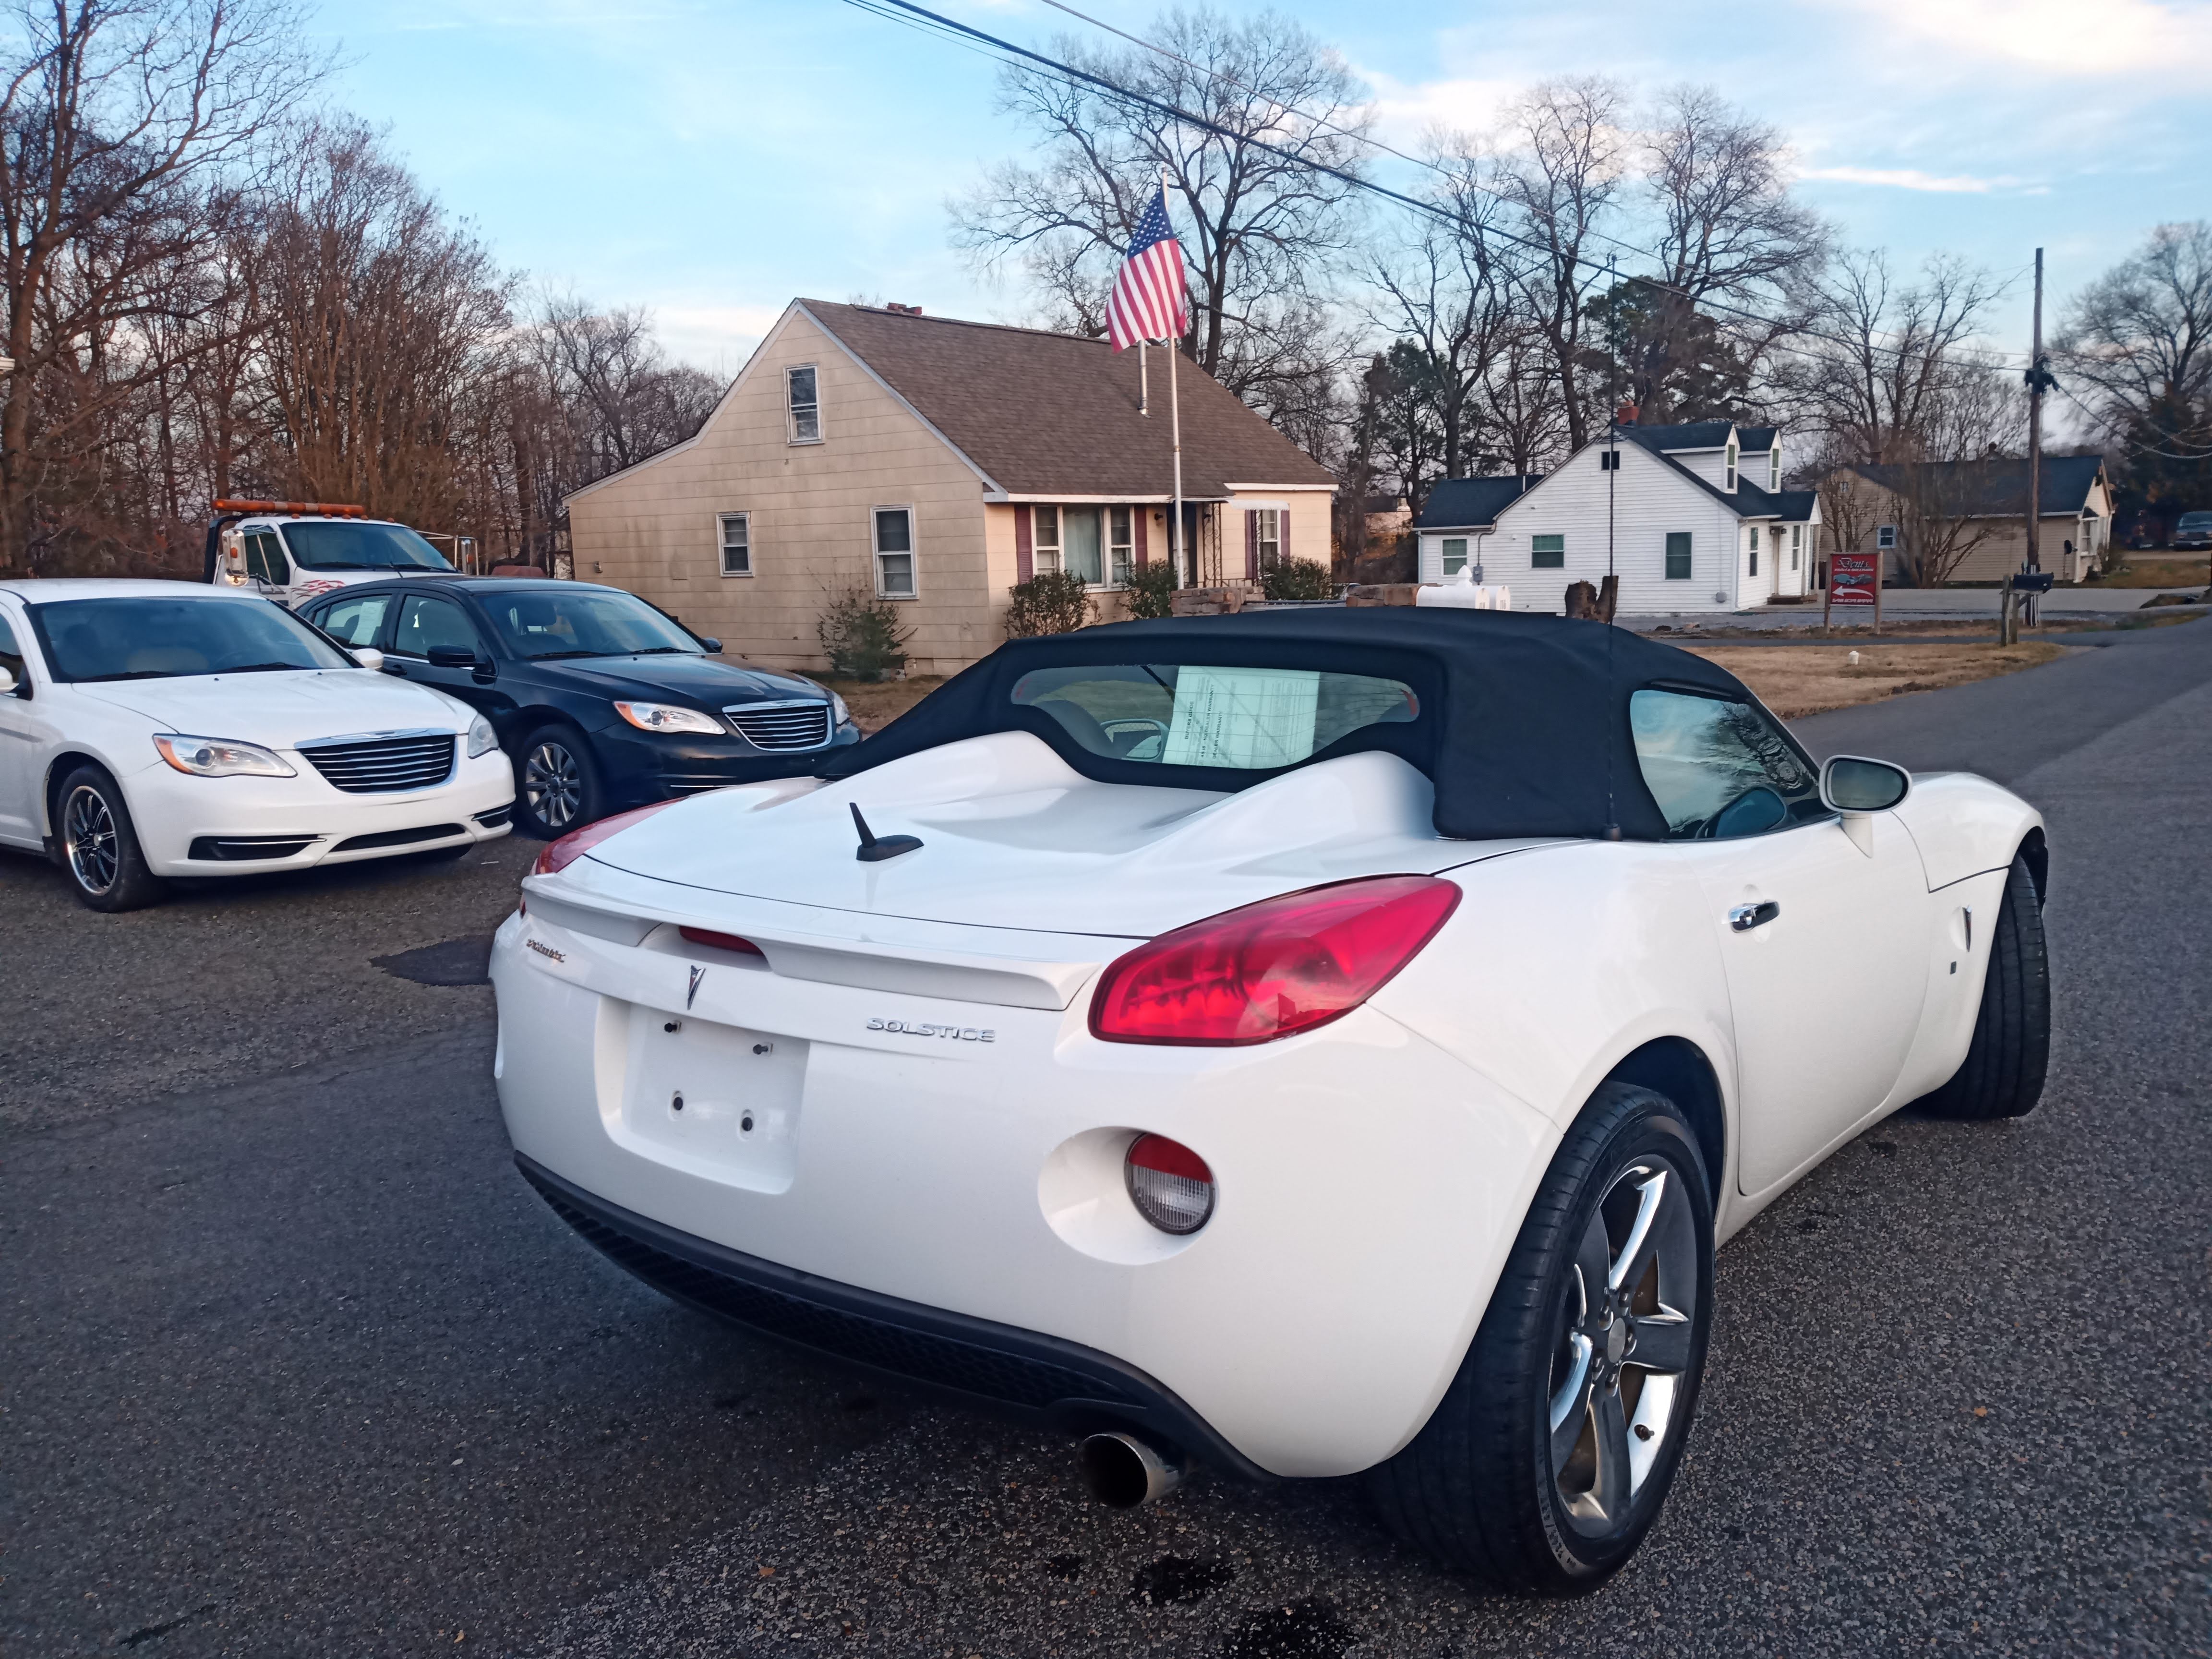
(1305, 1043)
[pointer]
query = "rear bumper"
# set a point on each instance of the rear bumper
(997, 1367)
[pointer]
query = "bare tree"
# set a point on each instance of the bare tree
(119, 120)
(1891, 374)
(1562, 176)
(1256, 189)
(1450, 288)
(1726, 230)
(2139, 340)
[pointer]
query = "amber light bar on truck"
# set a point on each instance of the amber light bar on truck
(295, 509)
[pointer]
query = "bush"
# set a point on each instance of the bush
(862, 633)
(1295, 579)
(1055, 603)
(1150, 590)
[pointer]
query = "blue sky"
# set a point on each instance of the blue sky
(714, 158)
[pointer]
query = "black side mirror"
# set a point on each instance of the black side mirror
(714, 646)
(451, 656)
(1854, 784)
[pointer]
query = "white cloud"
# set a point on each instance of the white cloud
(2166, 39)
(1910, 179)
(1405, 111)
(717, 338)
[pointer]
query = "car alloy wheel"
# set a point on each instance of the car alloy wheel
(89, 832)
(1624, 1345)
(554, 784)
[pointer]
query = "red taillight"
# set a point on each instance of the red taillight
(572, 846)
(1169, 1183)
(722, 941)
(1268, 969)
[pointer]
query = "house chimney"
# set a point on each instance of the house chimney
(904, 311)
(1625, 415)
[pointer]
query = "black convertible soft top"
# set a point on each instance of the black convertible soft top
(1524, 729)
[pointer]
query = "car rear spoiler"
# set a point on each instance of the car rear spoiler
(229, 512)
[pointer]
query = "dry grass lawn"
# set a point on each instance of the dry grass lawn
(2170, 571)
(876, 703)
(1804, 679)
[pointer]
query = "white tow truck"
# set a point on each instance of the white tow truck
(295, 551)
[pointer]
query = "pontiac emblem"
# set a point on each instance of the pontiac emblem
(692, 996)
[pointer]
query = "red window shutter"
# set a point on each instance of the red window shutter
(1251, 546)
(1283, 536)
(1141, 519)
(1024, 545)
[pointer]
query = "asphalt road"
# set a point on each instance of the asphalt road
(291, 1363)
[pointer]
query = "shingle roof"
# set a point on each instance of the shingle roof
(1704, 435)
(1997, 488)
(1748, 500)
(1469, 503)
(1050, 414)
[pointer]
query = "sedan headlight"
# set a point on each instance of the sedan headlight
(667, 717)
(482, 739)
(220, 757)
(839, 714)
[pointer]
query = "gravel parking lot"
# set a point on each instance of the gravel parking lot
(295, 1364)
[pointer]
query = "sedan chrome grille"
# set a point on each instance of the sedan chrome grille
(384, 762)
(797, 724)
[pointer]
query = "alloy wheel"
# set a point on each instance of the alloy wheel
(1625, 1346)
(553, 783)
(88, 828)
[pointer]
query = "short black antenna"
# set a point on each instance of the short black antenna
(875, 849)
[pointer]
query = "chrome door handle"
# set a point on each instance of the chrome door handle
(1745, 917)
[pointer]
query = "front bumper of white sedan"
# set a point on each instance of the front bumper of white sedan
(934, 1186)
(236, 826)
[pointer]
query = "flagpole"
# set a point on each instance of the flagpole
(1175, 417)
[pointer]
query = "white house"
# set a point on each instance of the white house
(1692, 518)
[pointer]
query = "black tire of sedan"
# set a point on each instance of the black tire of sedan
(1552, 1451)
(556, 784)
(98, 845)
(2003, 1073)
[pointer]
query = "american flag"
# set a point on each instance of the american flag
(1147, 302)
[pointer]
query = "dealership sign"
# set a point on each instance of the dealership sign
(1853, 578)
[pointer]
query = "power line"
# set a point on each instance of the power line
(905, 11)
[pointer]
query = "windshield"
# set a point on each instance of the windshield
(346, 544)
(2197, 521)
(588, 621)
(153, 638)
(1248, 719)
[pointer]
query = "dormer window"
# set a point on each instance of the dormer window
(1774, 465)
(1730, 484)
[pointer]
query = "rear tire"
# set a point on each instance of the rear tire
(1551, 1453)
(556, 783)
(98, 846)
(2003, 1071)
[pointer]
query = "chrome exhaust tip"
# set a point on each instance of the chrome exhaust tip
(1124, 1472)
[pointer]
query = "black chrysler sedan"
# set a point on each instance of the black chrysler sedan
(603, 702)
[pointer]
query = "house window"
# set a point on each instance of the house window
(1120, 542)
(1731, 467)
(1044, 538)
(1548, 552)
(1797, 544)
(1678, 555)
(1774, 467)
(806, 404)
(894, 552)
(1455, 550)
(737, 543)
(1268, 534)
(1754, 549)
(1885, 537)
(1608, 460)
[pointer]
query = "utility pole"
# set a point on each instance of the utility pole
(2039, 377)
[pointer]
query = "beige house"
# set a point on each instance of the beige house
(937, 462)
(1978, 508)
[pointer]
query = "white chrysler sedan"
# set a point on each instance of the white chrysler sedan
(153, 729)
(1310, 1042)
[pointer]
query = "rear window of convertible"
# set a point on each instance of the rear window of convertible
(1190, 715)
